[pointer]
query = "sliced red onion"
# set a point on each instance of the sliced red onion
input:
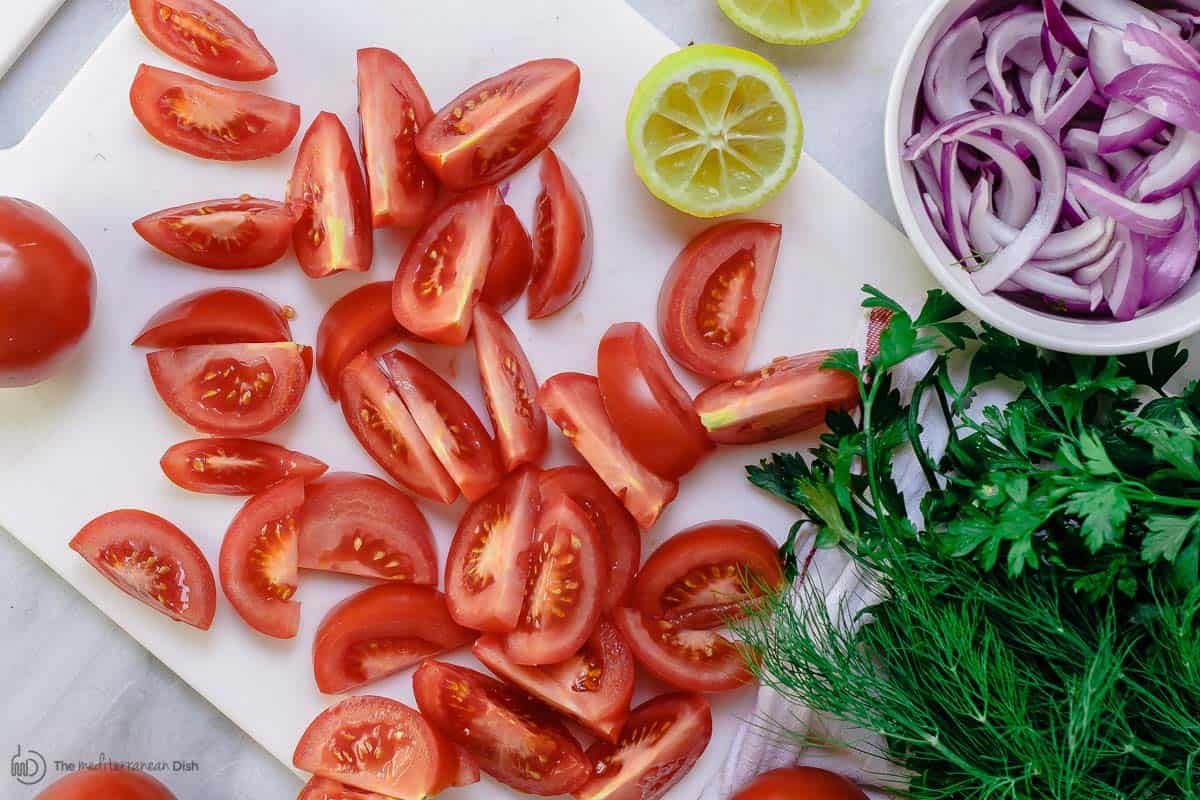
(1068, 104)
(921, 142)
(1017, 195)
(935, 215)
(1186, 21)
(1058, 287)
(1003, 39)
(1128, 279)
(978, 218)
(1171, 262)
(1067, 249)
(1119, 13)
(1169, 93)
(1172, 170)
(1095, 272)
(1039, 92)
(1027, 55)
(1080, 146)
(1100, 197)
(1051, 48)
(1060, 29)
(945, 86)
(1106, 55)
(952, 197)
(1071, 212)
(1146, 46)
(1125, 126)
(1065, 264)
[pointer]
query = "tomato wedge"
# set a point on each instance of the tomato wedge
(487, 567)
(787, 396)
(593, 687)
(661, 742)
(258, 560)
(711, 301)
(563, 241)
(449, 424)
(325, 789)
(381, 631)
(393, 107)
(151, 560)
(650, 411)
(109, 782)
(692, 660)
(500, 124)
(443, 271)
(360, 525)
(351, 325)
(709, 574)
(328, 198)
(792, 782)
(217, 316)
(510, 388)
(515, 740)
(386, 430)
(235, 466)
(512, 260)
(206, 35)
(617, 528)
(232, 389)
(379, 745)
(572, 401)
(239, 233)
(210, 121)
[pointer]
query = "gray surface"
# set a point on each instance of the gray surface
(77, 688)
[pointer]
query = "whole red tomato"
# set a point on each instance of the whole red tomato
(109, 784)
(808, 783)
(47, 293)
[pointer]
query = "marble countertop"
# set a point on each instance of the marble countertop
(77, 688)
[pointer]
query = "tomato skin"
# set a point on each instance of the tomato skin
(735, 260)
(235, 466)
(512, 261)
(500, 124)
(232, 234)
(510, 388)
(690, 660)
(110, 784)
(545, 760)
(325, 789)
(162, 100)
(669, 755)
(393, 107)
(563, 241)
(226, 47)
(409, 621)
(130, 541)
(650, 411)
(572, 401)
(216, 316)
(594, 687)
(351, 325)
(360, 525)
(47, 291)
(806, 782)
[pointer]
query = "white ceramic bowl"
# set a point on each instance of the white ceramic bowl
(1173, 321)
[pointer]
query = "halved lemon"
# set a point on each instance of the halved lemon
(714, 130)
(795, 21)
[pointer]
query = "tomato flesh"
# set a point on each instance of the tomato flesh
(712, 298)
(151, 560)
(381, 631)
(500, 124)
(258, 563)
(692, 660)
(111, 783)
(325, 789)
(487, 566)
(515, 740)
(217, 316)
(210, 121)
(572, 401)
(232, 234)
(235, 466)
(793, 782)
(563, 242)
(350, 326)
(512, 261)
(510, 388)
(206, 35)
(393, 107)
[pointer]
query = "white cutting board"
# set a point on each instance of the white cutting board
(23, 19)
(89, 440)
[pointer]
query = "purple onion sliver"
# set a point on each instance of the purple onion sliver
(1006, 36)
(944, 87)
(1146, 46)
(1124, 291)
(1125, 126)
(1060, 29)
(1017, 195)
(1100, 197)
(1173, 169)
(1170, 262)
(1095, 272)
(1169, 93)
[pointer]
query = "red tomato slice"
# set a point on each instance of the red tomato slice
(381, 631)
(573, 402)
(617, 528)
(259, 560)
(510, 388)
(210, 121)
(650, 411)
(708, 575)
(515, 740)
(325, 789)
(206, 35)
(500, 124)
(378, 745)
(393, 107)
(238, 233)
(594, 686)
(793, 782)
(232, 389)
(661, 742)
(328, 198)
(151, 560)
(512, 260)
(110, 783)
(352, 325)
(235, 466)
(449, 424)
(692, 660)
(487, 567)
(563, 241)
(444, 268)
(787, 396)
(217, 316)
(387, 431)
(360, 525)
(711, 301)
